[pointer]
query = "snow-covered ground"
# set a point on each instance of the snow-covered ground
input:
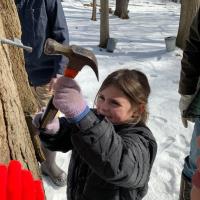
(140, 45)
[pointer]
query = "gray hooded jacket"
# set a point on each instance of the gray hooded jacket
(108, 162)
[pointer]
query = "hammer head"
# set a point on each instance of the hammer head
(78, 56)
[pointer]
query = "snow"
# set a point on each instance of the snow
(140, 45)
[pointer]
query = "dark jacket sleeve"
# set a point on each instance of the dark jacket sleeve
(60, 141)
(124, 158)
(58, 29)
(190, 70)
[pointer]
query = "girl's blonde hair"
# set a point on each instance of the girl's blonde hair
(134, 84)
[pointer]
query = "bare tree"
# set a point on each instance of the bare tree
(16, 97)
(104, 23)
(94, 10)
(121, 9)
(188, 11)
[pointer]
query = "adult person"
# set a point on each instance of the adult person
(42, 19)
(195, 193)
(188, 85)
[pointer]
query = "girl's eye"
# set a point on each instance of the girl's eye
(115, 103)
(101, 98)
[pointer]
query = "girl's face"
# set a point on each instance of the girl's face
(114, 105)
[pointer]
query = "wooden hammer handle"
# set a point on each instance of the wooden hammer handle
(51, 110)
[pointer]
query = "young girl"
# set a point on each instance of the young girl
(112, 148)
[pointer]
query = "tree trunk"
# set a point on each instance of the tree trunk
(104, 23)
(189, 9)
(16, 97)
(121, 9)
(94, 10)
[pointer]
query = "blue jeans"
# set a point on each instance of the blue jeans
(190, 161)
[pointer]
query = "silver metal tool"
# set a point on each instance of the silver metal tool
(15, 42)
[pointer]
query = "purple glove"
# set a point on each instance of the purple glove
(51, 128)
(69, 100)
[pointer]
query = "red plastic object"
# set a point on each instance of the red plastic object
(18, 184)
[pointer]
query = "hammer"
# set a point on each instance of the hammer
(78, 58)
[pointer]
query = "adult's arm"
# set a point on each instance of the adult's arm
(58, 30)
(190, 70)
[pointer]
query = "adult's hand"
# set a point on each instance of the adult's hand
(183, 105)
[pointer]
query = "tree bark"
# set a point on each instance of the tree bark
(104, 23)
(189, 9)
(121, 9)
(16, 97)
